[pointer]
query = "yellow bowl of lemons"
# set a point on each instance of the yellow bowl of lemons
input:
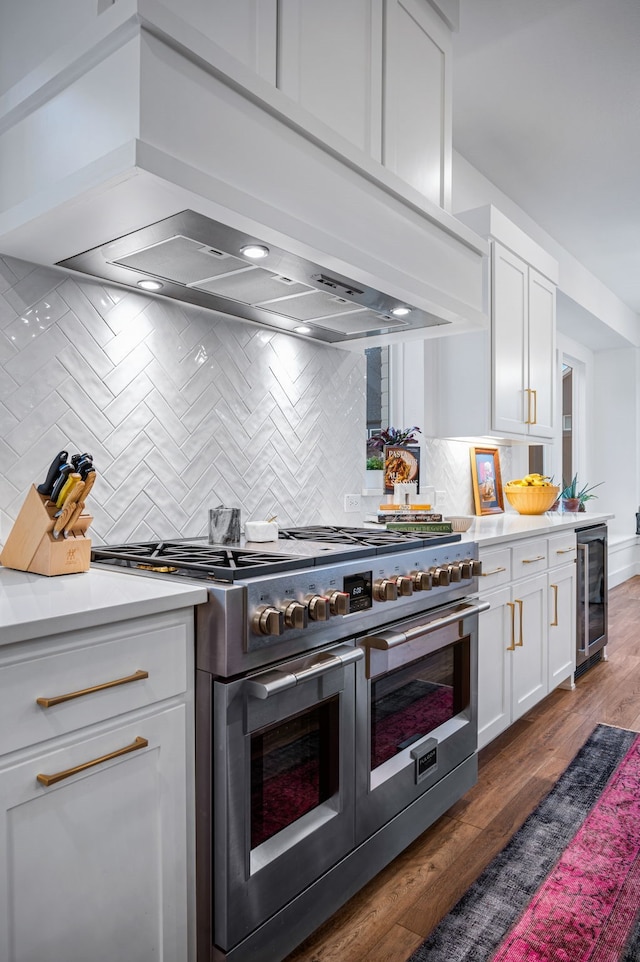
(533, 494)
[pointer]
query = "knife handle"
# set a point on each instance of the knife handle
(88, 484)
(68, 507)
(72, 478)
(63, 473)
(47, 485)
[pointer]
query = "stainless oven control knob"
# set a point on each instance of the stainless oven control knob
(339, 602)
(455, 572)
(421, 580)
(295, 615)
(466, 567)
(440, 576)
(385, 589)
(318, 607)
(477, 568)
(268, 621)
(404, 584)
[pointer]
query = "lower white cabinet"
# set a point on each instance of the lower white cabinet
(94, 823)
(527, 636)
(562, 608)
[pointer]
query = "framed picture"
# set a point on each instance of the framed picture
(487, 480)
(401, 464)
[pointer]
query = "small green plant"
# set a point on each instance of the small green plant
(394, 436)
(375, 463)
(583, 494)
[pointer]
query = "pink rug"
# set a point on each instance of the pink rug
(567, 886)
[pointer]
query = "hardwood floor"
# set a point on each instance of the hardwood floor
(390, 917)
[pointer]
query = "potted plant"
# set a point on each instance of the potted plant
(574, 498)
(375, 472)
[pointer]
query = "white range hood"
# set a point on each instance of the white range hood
(155, 154)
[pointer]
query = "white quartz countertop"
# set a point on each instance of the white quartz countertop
(32, 606)
(497, 528)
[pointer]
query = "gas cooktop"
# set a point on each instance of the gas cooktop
(296, 548)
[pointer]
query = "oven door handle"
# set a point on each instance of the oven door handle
(392, 639)
(272, 682)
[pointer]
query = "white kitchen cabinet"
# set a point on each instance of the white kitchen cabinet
(523, 347)
(330, 62)
(377, 72)
(417, 98)
(529, 658)
(527, 636)
(509, 386)
(562, 608)
(96, 811)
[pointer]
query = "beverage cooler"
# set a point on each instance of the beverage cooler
(591, 621)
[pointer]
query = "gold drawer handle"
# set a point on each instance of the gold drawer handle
(133, 747)
(512, 646)
(58, 699)
(554, 623)
(530, 561)
(485, 574)
(565, 550)
(520, 604)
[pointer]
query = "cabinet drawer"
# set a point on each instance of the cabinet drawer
(110, 671)
(529, 557)
(496, 568)
(562, 548)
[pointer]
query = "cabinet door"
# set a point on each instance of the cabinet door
(330, 62)
(562, 624)
(417, 98)
(509, 295)
(542, 349)
(529, 666)
(245, 28)
(494, 667)
(93, 867)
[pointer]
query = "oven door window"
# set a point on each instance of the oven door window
(412, 701)
(294, 768)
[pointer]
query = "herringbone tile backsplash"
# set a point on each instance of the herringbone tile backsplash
(181, 408)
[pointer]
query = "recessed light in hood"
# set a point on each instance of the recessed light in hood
(200, 261)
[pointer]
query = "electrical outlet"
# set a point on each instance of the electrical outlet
(351, 502)
(441, 499)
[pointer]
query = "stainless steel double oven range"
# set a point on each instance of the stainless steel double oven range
(335, 717)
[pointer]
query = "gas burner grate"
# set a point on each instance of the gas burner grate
(193, 559)
(382, 541)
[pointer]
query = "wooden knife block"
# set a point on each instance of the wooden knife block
(32, 547)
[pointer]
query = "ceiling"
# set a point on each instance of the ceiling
(546, 104)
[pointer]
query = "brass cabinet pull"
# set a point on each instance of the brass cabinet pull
(528, 417)
(535, 407)
(512, 646)
(554, 623)
(565, 550)
(58, 776)
(530, 561)
(520, 604)
(485, 574)
(58, 699)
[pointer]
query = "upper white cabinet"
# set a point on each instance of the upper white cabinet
(509, 385)
(378, 72)
(523, 346)
(329, 61)
(246, 28)
(417, 98)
